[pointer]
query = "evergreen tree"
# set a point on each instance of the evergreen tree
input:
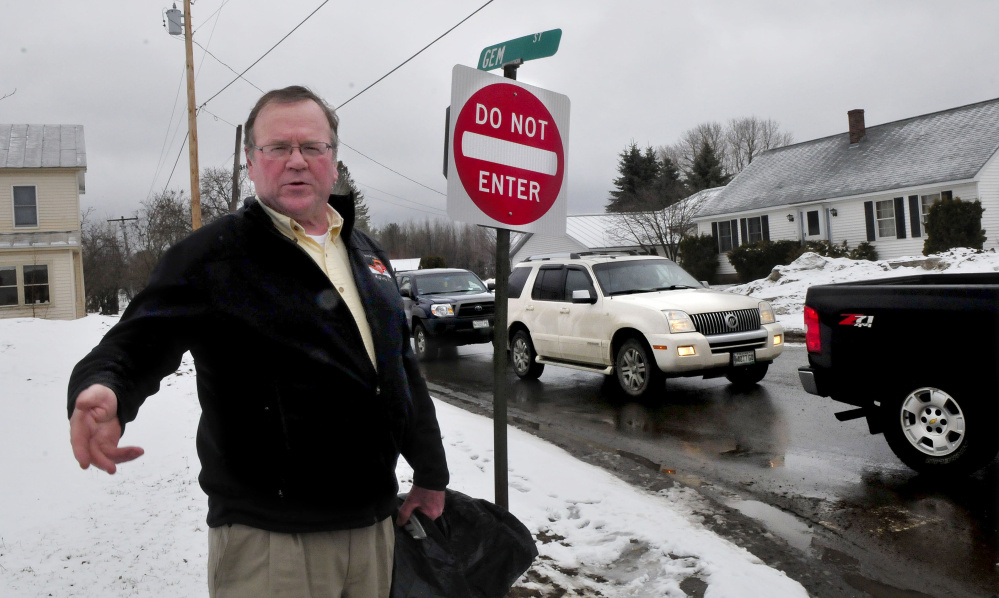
(638, 169)
(706, 171)
(345, 184)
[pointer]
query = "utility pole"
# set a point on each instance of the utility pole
(234, 203)
(192, 121)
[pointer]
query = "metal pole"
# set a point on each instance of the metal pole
(499, 353)
(234, 204)
(192, 121)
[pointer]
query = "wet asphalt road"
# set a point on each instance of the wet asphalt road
(836, 508)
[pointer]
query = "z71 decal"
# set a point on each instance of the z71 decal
(858, 320)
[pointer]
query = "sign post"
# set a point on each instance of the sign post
(506, 163)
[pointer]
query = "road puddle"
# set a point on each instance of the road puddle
(787, 526)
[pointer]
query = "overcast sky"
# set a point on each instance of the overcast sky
(642, 70)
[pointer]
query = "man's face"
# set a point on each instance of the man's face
(294, 186)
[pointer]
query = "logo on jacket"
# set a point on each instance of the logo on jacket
(378, 268)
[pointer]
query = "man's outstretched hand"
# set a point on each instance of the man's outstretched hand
(94, 430)
(431, 502)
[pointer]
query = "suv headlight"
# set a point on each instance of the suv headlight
(441, 310)
(766, 313)
(678, 321)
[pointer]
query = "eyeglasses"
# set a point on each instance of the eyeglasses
(280, 151)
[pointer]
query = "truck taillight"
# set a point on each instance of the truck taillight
(812, 341)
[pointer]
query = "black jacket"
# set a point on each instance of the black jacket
(298, 431)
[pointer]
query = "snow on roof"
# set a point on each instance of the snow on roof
(42, 146)
(946, 146)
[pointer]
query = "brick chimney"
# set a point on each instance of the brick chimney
(857, 128)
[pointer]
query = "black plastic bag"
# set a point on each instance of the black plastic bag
(474, 550)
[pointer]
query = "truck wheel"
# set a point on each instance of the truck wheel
(747, 376)
(523, 357)
(426, 350)
(932, 430)
(637, 372)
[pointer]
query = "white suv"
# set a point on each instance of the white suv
(641, 317)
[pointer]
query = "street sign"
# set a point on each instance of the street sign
(507, 158)
(529, 47)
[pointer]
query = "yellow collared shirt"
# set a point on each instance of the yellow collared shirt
(330, 254)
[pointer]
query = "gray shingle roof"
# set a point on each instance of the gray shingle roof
(42, 146)
(951, 145)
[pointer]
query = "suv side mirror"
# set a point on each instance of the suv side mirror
(583, 296)
(491, 285)
(406, 291)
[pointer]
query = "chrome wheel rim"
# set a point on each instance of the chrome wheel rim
(631, 368)
(932, 422)
(421, 342)
(521, 355)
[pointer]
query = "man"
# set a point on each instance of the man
(308, 386)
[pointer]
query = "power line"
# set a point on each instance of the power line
(267, 52)
(395, 171)
(238, 76)
(415, 55)
(416, 204)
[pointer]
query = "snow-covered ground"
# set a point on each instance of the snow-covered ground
(66, 532)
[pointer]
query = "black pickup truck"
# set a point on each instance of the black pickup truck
(919, 358)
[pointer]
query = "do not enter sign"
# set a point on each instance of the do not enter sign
(507, 156)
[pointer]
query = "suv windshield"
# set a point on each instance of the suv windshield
(456, 282)
(642, 276)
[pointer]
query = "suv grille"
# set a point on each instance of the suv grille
(716, 322)
(469, 310)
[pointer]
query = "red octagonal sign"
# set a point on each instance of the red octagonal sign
(508, 153)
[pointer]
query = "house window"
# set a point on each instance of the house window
(725, 236)
(25, 206)
(36, 284)
(8, 285)
(886, 218)
(754, 230)
(928, 200)
(813, 222)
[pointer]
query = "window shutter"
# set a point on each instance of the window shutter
(742, 227)
(765, 225)
(914, 216)
(714, 235)
(900, 217)
(735, 234)
(869, 216)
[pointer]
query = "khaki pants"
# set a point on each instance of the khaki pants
(245, 562)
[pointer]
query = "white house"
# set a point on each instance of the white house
(41, 179)
(868, 184)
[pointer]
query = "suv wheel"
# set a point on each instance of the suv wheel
(523, 356)
(425, 348)
(745, 377)
(637, 373)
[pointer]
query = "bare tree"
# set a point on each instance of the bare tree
(747, 137)
(105, 263)
(216, 192)
(163, 220)
(684, 151)
(461, 245)
(663, 228)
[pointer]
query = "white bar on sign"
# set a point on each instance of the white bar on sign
(508, 153)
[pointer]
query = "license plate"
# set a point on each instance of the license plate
(744, 358)
(480, 323)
